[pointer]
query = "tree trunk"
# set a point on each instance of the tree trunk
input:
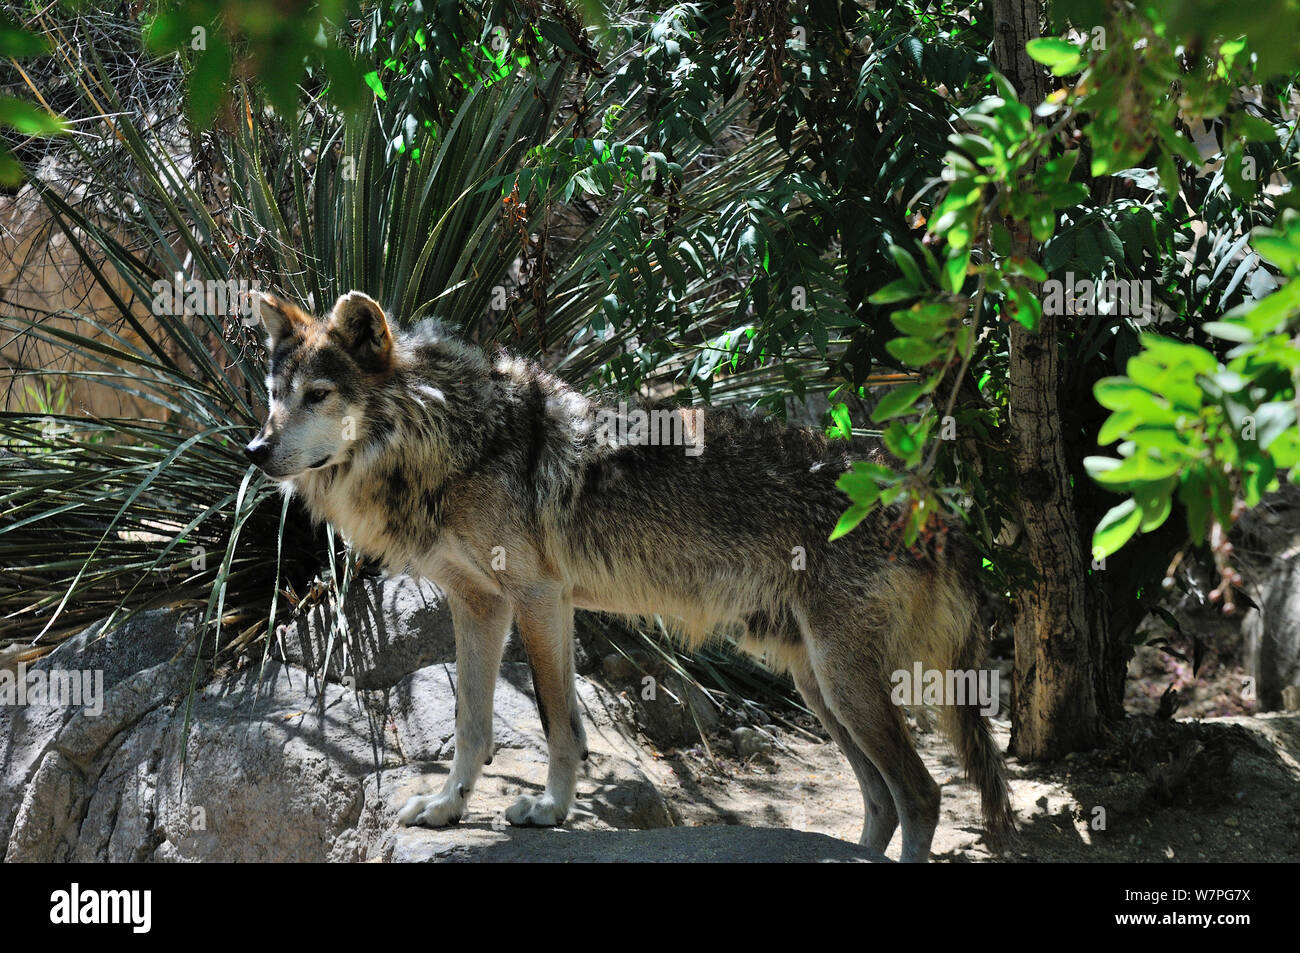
(1060, 684)
(1060, 632)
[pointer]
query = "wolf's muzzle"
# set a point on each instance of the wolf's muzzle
(258, 452)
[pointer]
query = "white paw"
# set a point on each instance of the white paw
(434, 810)
(536, 811)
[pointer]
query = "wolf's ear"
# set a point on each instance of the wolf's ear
(280, 318)
(358, 324)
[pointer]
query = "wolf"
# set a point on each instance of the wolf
(524, 500)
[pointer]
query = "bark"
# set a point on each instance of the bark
(1061, 688)
(1060, 634)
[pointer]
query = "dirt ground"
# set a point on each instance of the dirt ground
(1171, 790)
(1215, 782)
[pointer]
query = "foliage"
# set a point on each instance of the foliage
(751, 202)
(272, 45)
(1209, 428)
(20, 115)
(95, 524)
(1216, 435)
(1211, 433)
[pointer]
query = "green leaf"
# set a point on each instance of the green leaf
(898, 290)
(1285, 451)
(1156, 503)
(11, 172)
(903, 442)
(897, 402)
(1194, 494)
(1023, 305)
(923, 320)
(854, 515)
(843, 426)
(1272, 420)
(209, 80)
(1228, 331)
(1117, 425)
(1001, 239)
(914, 352)
(907, 264)
(1116, 528)
(1027, 267)
(557, 34)
(376, 85)
(954, 271)
(17, 43)
(1120, 393)
(28, 118)
(1061, 56)
(860, 483)
(1281, 250)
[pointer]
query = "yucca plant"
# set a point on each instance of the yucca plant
(106, 516)
(109, 514)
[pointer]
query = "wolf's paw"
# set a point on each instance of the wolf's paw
(434, 810)
(536, 811)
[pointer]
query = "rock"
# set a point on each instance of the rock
(284, 765)
(750, 741)
(672, 711)
(635, 665)
(141, 642)
(279, 765)
(1272, 632)
(395, 625)
(809, 412)
(423, 707)
(1273, 636)
(47, 825)
(26, 736)
(11, 655)
(141, 662)
(271, 773)
(691, 845)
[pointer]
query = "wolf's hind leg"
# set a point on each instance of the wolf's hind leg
(545, 623)
(481, 624)
(881, 818)
(856, 690)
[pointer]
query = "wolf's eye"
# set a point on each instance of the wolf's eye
(316, 395)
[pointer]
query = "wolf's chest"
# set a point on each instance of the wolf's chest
(399, 526)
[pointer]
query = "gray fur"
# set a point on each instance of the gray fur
(496, 480)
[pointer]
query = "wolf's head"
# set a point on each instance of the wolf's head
(320, 370)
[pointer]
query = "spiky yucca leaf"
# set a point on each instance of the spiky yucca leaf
(107, 514)
(111, 515)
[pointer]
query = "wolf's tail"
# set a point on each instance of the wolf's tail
(969, 732)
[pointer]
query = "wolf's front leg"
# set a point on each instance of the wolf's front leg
(545, 623)
(482, 623)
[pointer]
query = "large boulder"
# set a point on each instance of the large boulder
(1271, 535)
(282, 764)
(136, 665)
(722, 844)
(394, 625)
